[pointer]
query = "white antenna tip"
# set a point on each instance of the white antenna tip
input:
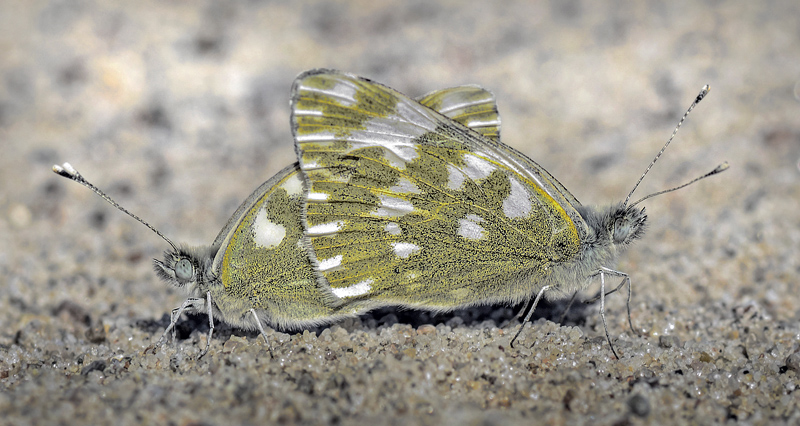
(703, 92)
(65, 170)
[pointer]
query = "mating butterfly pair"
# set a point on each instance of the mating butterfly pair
(396, 201)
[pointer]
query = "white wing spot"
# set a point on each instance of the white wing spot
(393, 206)
(293, 185)
(345, 94)
(405, 186)
(403, 250)
(328, 264)
(309, 164)
(455, 178)
(393, 228)
(395, 158)
(518, 202)
(417, 116)
(357, 289)
(469, 228)
(395, 137)
(325, 228)
(306, 112)
(317, 196)
(477, 168)
(267, 234)
(320, 136)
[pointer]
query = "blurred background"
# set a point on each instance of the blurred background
(180, 109)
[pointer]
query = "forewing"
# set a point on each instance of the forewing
(410, 207)
(261, 263)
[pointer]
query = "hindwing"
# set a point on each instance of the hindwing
(409, 206)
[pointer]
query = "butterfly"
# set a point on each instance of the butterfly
(408, 207)
(257, 272)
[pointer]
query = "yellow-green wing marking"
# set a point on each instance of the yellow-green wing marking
(262, 266)
(407, 206)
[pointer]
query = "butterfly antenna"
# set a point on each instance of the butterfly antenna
(697, 100)
(66, 170)
(721, 168)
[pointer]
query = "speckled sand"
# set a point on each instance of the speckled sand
(180, 110)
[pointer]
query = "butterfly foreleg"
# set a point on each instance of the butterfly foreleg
(520, 312)
(625, 279)
(261, 329)
(189, 305)
(192, 304)
(602, 272)
(530, 313)
(210, 325)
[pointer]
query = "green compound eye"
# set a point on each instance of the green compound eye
(184, 270)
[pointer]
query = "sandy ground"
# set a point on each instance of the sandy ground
(180, 109)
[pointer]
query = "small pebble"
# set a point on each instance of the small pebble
(639, 405)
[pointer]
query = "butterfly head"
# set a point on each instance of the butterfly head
(621, 224)
(184, 267)
(617, 225)
(627, 223)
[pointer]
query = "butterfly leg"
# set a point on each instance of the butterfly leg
(520, 312)
(603, 311)
(261, 330)
(189, 305)
(614, 290)
(569, 305)
(625, 279)
(210, 325)
(530, 313)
